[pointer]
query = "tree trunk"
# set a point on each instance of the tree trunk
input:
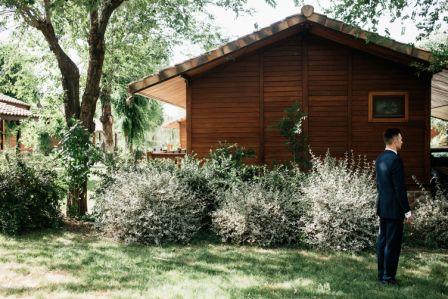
(69, 72)
(77, 200)
(97, 49)
(77, 197)
(107, 120)
(85, 111)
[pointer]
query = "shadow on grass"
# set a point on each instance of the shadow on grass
(207, 268)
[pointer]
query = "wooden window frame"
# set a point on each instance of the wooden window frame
(389, 119)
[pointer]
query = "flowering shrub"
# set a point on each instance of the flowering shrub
(205, 180)
(342, 196)
(431, 219)
(259, 213)
(150, 206)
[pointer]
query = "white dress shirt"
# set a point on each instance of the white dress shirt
(408, 214)
(390, 149)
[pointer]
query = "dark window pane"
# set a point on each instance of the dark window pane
(388, 106)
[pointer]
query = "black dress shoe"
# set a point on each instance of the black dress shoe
(393, 282)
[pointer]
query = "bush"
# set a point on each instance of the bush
(29, 196)
(149, 206)
(261, 213)
(342, 196)
(430, 226)
(193, 175)
(225, 167)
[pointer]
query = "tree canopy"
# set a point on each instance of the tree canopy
(17, 78)
(430, 16)
(104, 34)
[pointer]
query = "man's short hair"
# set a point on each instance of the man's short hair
(389, 134)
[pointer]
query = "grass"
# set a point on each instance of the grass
(81, 264)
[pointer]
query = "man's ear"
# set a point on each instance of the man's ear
(395, 140)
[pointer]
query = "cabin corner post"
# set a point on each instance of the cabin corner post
(261, 158)
(2, 134)
(188, 113)
(305, 97)
(349, 99)
(427, 150)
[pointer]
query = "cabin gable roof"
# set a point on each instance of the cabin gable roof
(155, 85)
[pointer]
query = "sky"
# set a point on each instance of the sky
(264, 15)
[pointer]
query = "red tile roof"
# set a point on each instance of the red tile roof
(13, 107)
(7, 99)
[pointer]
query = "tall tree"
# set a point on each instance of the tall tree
(85, 23)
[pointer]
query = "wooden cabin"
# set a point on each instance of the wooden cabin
(180, 125)
(352, 85)
(11, 112)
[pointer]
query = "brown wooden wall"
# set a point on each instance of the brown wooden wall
(371, 73)
(183, 134)
(225, 107)
(282, 68)
(239, 102)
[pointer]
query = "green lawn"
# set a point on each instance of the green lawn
(80, 264)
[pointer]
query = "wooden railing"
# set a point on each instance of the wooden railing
(174, 155)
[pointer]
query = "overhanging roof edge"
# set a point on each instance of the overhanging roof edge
(269, 31)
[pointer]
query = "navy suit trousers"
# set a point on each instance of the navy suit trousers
(388, 247)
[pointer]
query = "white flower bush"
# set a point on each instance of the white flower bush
(342, 197)
(149, 206)
(430, 224)
(254, 213)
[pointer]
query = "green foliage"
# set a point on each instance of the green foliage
(267, 211)
(77, 155)
(30, 195)
(44, 143)
(429, 16)
(11, 128)
(224, 167)
(16, 74)
(230, 155)
(90, 265)
(149, 206)
(439, 51)
(342, 197)
(39, 133)
(290, 127)
(430, 227)
(140, 115)
(442, 127)
(331, 207)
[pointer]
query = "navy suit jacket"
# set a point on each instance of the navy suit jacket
(392, 200)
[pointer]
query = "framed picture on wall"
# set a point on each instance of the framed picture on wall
(388, 106)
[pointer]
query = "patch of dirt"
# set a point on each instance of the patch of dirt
(15, 276)
(77, 226)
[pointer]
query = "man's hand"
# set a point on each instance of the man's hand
(410, 219)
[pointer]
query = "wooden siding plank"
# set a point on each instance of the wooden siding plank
(188, 117)
(349, 100)
(262, 88)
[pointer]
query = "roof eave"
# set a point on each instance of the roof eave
(237, 45)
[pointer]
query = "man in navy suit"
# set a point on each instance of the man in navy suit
(392, 206)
